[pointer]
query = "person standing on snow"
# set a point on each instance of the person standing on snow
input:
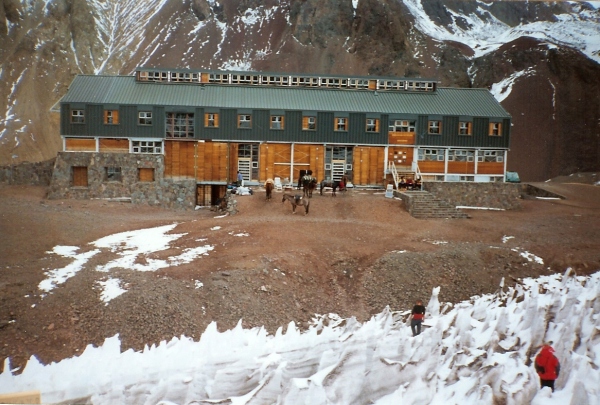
(417, 316)
(547, 366)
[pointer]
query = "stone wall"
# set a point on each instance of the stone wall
(26, 173)
(486, 195)
(179, 194)
(160, 192)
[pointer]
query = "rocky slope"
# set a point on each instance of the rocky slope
(538, 49)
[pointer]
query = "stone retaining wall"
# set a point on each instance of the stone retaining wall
(160, 192)
(485, 195)
(26, 173)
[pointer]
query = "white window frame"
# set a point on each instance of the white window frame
(371, 125)
(277, 122)
(145, 118)
(77, 116)
(341, 124)
(245, 121)
(146, 146)
(434, 124)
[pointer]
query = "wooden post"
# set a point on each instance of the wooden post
(25, 397)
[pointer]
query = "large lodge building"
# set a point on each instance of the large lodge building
(163, 134)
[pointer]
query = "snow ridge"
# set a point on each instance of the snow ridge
(479, 351)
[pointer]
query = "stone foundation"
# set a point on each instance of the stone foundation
(161, 192)
(485, 195)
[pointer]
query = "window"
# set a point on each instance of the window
(146, 146)
(341, 124)
(372, 125)
(435, 127)
(80, 176)
(495, 129)
(184, 77)
(146, 174)
(491, 156)
(111, 117)
(244, 121)
(77, 116)
(113, 173)
(144, 118)
(459, 155)
(180, 125)
(309, 123)
(211, 120)
(402, 126)
(276, 122)
(431, 154)
(464, 128)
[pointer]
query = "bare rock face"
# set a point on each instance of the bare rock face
(43, 45)
(10, 12)
(316, 22)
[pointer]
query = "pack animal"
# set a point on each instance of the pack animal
(269, 186)
(334, 184)
(309, 184)
(297, 200)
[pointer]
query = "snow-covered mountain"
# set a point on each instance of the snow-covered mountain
(541, 59)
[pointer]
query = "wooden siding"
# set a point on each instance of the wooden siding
(308, 157)
(490, 168)
(80, 145)
(402, 157)
(113, 145)
(461, 167)
(233, 161)
(430, 166)
(368, 165)
(180, 159)
(213, 160)
(275, 160)
(401, 138)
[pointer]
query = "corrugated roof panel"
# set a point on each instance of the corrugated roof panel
(125, 90)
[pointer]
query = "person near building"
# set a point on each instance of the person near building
(240, 179)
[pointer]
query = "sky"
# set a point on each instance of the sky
(473, 352)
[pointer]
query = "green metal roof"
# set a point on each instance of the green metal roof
(125, 90)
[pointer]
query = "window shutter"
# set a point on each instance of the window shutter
(115, 116)
(206, 119)
(217, 120)
(376, 125)
(304, 122)
(282, 120)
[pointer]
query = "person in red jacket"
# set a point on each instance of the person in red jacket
(547, 366)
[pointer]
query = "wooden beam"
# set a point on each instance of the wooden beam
(25, 397)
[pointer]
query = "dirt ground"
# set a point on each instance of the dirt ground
(352, 255)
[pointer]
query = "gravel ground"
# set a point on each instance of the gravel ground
(352, 255)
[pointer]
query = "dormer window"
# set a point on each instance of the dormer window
(464, 128)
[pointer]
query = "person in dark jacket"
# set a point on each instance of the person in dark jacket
(416, 318)
(547, 366)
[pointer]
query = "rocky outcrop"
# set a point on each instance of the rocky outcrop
(43, 45)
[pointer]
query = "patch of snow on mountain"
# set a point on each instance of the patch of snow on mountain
(503, 89)
(579, 30)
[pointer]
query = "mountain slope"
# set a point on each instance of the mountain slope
(548, 48)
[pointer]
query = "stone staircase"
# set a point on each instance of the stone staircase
(422, 205)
